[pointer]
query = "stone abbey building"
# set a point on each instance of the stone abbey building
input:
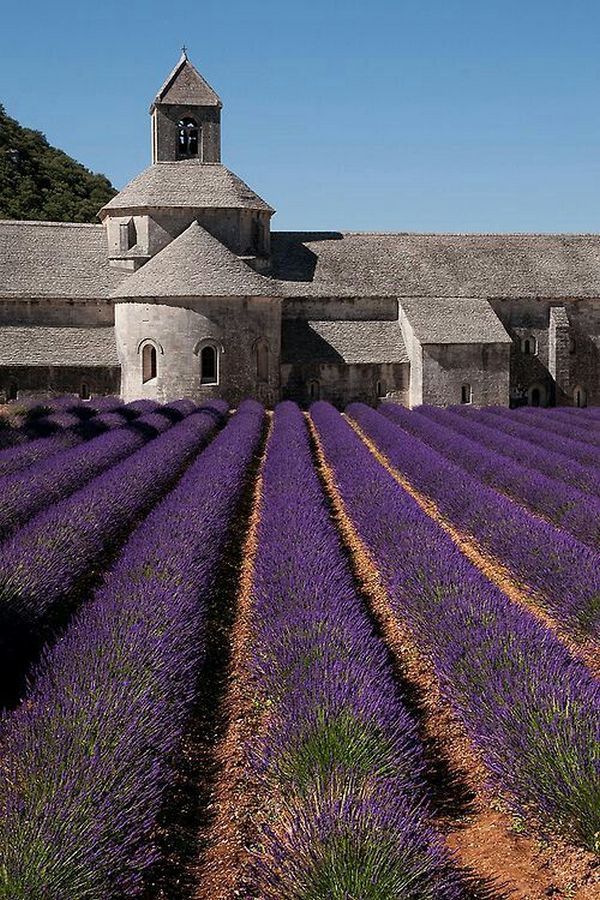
(184, 290)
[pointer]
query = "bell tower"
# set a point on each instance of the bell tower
(186, 117)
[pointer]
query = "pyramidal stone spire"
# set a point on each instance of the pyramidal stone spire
(185, 86)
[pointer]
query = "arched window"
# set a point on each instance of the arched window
(580, 396)
(13, 391)
(314, 390)
(188, 139)
(529, 346)
(149, 362)
(466, 393)
(536, 396)
(84, 391)
(262, 360)
(209, 365)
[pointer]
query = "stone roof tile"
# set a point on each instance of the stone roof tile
(351, 342)
(330, 264)
(185, 86)
(187, 184)
(55, 260)
(454, 320)
(34, 345)
(196, 264)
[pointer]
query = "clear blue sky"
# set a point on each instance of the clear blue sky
(384, 115)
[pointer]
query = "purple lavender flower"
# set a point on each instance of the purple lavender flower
(531, 708)
(88, 758)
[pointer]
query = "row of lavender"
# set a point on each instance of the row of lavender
(564, 572)
(63, 429)
(89, 759)
(337, 757)
(47, 564)
(532, 710)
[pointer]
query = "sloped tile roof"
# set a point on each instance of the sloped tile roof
(454, 320)
(187, 184)
(185, 86)
(34, 345)
(195, 264)
(348, 342)
(55, 260)
(452, 265)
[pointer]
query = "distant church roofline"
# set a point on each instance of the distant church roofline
(185, 86)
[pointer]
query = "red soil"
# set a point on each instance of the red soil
(233, 803)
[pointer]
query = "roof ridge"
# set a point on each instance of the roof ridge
(49, 224)
(317, 231)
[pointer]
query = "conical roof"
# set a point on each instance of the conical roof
(186, 184)
(195, 264)
(185, 86)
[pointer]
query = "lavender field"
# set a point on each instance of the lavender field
(298, 656)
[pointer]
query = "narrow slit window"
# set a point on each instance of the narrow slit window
(13, 391)
(466, 393)
(149, 362)
(208, 365)
(262, 361)
(84, 391)
(314, 390)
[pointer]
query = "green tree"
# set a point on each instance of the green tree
(37, 181)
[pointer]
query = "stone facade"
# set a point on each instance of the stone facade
(184, 290)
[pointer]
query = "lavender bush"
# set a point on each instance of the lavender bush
(46, 564)
(26, 492)
(564, 571)
(564, 505)
(532, 458)
(531, 708)
(505, 422)
(87, 760)
(339, 756)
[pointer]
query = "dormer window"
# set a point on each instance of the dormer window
(188, 140)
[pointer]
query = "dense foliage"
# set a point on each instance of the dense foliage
(38, 181)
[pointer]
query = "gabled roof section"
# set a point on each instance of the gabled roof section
(35, 345)
(186, 185)
(349, 342)
(195, 264)
(502, 266)
(454, 320)
(55, 260)
(185, 86)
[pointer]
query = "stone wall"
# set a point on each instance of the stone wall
(155, 229)
(449, 367)
(383, 309)
(341, 384)
(165, 131)
(180, 329)
(77, 313)
(48, 381)
(567, 357)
